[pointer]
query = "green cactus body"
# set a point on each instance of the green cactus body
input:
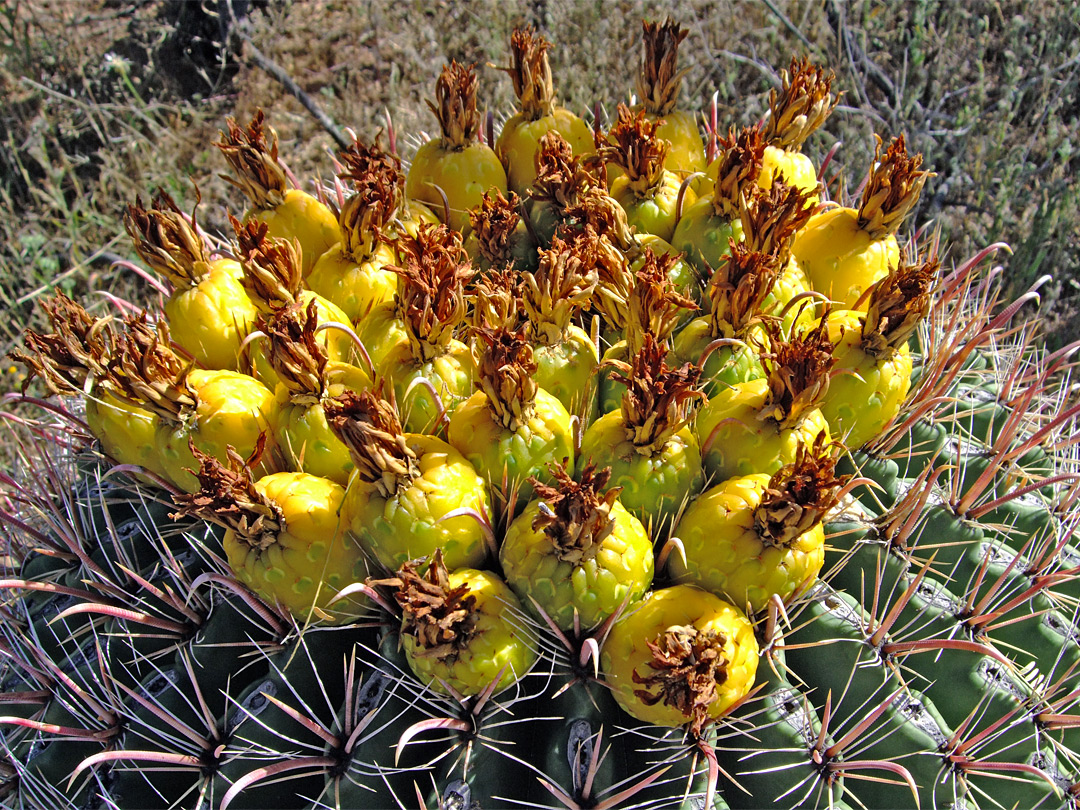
(593, 589)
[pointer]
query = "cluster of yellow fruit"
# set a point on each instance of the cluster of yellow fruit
(496, 364)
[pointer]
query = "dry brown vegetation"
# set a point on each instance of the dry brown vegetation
(106, 100)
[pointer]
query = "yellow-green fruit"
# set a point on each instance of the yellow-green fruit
(380, 331)
(306, 441)
(840, 259)
(414, 215)
(233, 410)
(501, 645)
(412, 523)
(355, 286)
(519, 142)
(865, 392)
(657, 212)
(705, 237)
(726, 555)
(655, 485)
(302, 217)
(682, 273)
(791, 282)
(464, 175)
(337, 344)
(311, 559)
(450, 374)
(211, 318)
(594, 588)
(725, 366)
(566, 370)
(736, 440)
(626, 651)
(508, 458)
(794, 168)
(127, 433)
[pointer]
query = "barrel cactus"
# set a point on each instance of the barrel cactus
(880, 611)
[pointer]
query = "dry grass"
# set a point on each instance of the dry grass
(108, 100)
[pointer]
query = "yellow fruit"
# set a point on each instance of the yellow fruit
(304, 564)
(580, 566)
(710, 638)
(127, 433)
(840, 259)
(737, 440)
(357, 286)
(462, 631)
(303, 435)
(726, 554)
(232, 410)
(302, 217)
(412, 522)
(457, 164)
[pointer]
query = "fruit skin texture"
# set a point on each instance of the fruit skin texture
(464, 175)
(501, 639)
(312, 559)
(686, 153)
(380, 331)
(409, 524)
(357, 286)
(725, 366)
(654, 486)
(744, 443)
(302, 217)
(726, 556)
(519, 142)
(859, 404)
(840, 259)
(594, 588)
(626, 650)
(211, 318)
(233, 410)
(337, 344)
(545, 437)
